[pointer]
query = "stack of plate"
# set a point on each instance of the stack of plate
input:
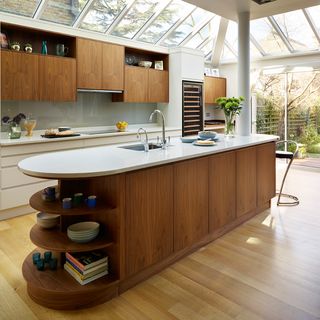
(83, 232)
(47, 220)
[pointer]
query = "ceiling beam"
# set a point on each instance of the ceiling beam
(82, 14)
(116, 21)
(176, 24)
(196, 30)
(257, 45)
(41, 7)
(312, 24)
(164, 4)
(218, 44)
(281, 34)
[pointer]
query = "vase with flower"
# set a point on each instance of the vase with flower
(13, 125)
(231, 108)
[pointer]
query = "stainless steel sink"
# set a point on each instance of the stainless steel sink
(99, 131)
(140, 147)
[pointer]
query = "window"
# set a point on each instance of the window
(20, 7)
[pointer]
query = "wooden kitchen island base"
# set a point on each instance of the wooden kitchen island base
(151, 218)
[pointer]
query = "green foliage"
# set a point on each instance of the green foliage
(230, 105)
(310, 138)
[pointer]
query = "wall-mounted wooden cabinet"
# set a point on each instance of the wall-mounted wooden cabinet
(100, 65)
(214, 87)
(19, 76)
(36, 77)
(144, 85)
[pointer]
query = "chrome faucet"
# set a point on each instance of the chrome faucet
(145, 142)
(163, 140)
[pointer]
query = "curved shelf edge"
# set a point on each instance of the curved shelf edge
(55, 207)
(55, 240)
(58, 290)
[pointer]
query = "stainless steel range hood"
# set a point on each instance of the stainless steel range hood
(100, 91)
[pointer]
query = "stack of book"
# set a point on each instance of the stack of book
(86, 266)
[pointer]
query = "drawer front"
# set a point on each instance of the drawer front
(15, 197)
(13, 177)
(24, 149)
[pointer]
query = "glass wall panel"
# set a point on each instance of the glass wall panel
(20, 7)
(315, 14)
(167, 18)
(137, 16)
(63, 11)
(296, 28)
(102, 13)
(267, 37)
(180, 33)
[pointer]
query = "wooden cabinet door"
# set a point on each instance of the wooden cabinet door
(222, 190)
(148, 217)
(190, 202)
(158, 86)
(266, 174)
(136, 84)
(112, 67)
(19, 76)
(214, 88)
(219, 87)
(246, 180)
(57, 78)
(89, 64)
(209, 90)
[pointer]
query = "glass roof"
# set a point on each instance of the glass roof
(171, 23)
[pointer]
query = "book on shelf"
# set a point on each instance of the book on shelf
(76, 276)
(99, 267)
(90, 272)
(87, 260)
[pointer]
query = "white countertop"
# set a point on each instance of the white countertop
(36, 138)
(108, 160)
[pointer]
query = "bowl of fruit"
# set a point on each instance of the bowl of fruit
(122, 125)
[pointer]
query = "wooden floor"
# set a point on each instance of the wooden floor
(268, 268)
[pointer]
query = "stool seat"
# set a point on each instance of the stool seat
(284, 154)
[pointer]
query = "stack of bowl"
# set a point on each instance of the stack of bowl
(83, 232)
(47, 220)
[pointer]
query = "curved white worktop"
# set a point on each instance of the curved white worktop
(108, 160)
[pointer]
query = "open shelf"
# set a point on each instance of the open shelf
(55, 240)
(59, 290)
(55, 207)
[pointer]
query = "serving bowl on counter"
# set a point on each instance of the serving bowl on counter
(207, 134)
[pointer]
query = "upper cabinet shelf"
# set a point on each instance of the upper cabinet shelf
(35, 37)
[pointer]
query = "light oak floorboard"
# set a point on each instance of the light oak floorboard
(266, 269)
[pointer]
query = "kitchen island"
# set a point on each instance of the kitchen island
(154, 208)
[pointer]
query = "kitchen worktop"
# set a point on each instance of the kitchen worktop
(36, 138)
(109, 160)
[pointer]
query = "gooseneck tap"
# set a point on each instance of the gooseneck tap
(145, 142)
(163, 140)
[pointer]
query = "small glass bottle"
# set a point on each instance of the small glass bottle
(44, 49)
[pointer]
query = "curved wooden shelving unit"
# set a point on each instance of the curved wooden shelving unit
(55, 240)
(55, 207)
(57, 289)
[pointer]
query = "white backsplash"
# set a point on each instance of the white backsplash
(91, 109)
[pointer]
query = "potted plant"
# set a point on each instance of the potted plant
(231, 107)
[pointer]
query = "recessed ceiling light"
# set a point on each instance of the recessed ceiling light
(263, 1)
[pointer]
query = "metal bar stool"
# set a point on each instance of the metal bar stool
(290, 156)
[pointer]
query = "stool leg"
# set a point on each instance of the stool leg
(280, 194)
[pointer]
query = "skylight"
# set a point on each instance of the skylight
(172, 23)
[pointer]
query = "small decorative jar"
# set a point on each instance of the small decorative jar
(15, 46)
(14, 131)
(28, 48)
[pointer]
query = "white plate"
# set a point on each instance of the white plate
(212, 143)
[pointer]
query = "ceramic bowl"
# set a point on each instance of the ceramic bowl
(146, 64)
(207, 134)
(47, 220)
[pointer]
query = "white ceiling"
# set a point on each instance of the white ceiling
(230, 8)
